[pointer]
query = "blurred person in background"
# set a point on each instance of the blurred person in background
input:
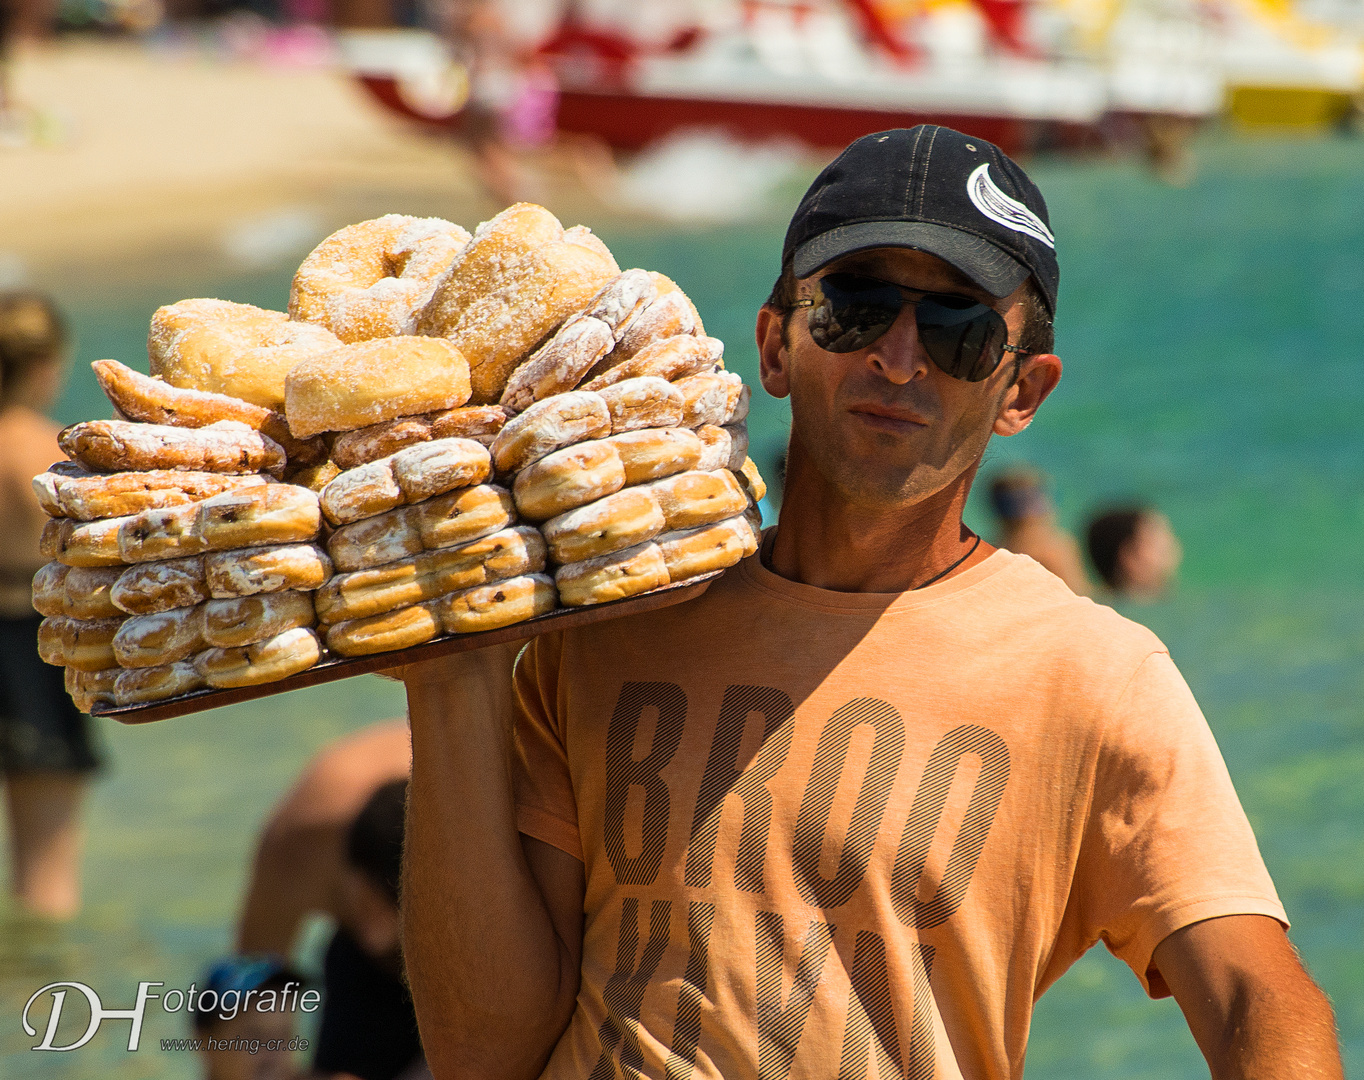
(227, 1032)
(1027, 524)
(46, 749)
(369, 1025)
(1134, 551)
(301, 854)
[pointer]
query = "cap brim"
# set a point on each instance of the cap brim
(993, 269)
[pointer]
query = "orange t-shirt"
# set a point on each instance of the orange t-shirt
(836, 835)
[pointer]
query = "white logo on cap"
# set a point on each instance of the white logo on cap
(1010, 213)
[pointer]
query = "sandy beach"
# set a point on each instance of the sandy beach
(149, 152)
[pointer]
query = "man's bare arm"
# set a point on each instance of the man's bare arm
(1253, 1009)
(492, 927)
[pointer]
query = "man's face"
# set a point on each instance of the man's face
(884, 425)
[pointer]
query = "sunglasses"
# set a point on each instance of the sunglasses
(965, 339)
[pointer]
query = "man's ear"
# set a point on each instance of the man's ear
(1037, 377)
(772, 353)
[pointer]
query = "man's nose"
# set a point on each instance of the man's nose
(897, 354)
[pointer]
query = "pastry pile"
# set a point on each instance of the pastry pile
(446, 434)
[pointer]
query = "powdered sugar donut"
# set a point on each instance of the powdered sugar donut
(670, 358)
(559, 364)
(547, 426)
(610, 524)
(273, 568)
(651, 453)
(266, 661)
(643, 402)
(234, 349)
(366, 281)
(696, 498)
(374, 541)
(567, 478)
(160, 586)
(163, 638)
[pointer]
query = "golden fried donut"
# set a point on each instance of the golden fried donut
(367, 280)
(153, 401)
(612, 577)
(150, 587)
(137, 686)
(487, 607)
(376, 540)
(711, 547)
(697, 498)
(665, 285)
(91, 496)
(668, 315)
(50, 649)
(460, 517)
(621, 299)
(361, 492)
(154, 535)
(163, 638)
(285, 654)
(725, 447)
(709, 398)
(671, 359)
(567, 478)
(245, 620)
(651, 453)
(90, 690)
(88, 644)
(49, 589)
(122, 446)
(643, 402)
(89, 592)
(617, 521)
(233, 349)
(273, 568)
(354, 386)
(517, 280)
(313, 477)
(83, 543)
(400, 629)
(439, 466)
(503, 554)
(477, 422)
(274, 514)
(547, 426)
(751, 480)
(559, 364)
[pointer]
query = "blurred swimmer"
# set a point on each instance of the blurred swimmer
(46, 750)
(1134, 551)
(300, 859)
(1027, 522)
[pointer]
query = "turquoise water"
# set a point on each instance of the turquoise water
(1213, 345)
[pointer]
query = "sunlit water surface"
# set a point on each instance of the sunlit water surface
(1214, 365)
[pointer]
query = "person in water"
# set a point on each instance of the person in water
(47, 749)
(1134, 551)
(1027, 526)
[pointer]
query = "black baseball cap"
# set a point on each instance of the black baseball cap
(935, 190)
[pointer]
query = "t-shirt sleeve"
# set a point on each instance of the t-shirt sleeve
(546, 807)
(1166, 843)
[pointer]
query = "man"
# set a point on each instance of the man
(849, 813)
(1135, 551)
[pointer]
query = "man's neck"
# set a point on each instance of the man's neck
(825, 540)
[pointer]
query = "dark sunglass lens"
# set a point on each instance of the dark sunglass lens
(851, 312)
(963, 338)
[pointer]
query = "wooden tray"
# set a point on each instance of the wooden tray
(345, 667)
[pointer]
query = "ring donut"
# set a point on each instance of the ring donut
(696, 498)
(612, 577)
(85, 543)
(122, 446)
(652, 453)
(91, 689)
(273, 568)
(233, 349)
(163, 638)
(478, 422)
(89, 592)
(487, 607)
(567, 478)
(276, 658)
(136, 686)
(367, 280)
(91, 496)
(618, 521)
(460, 517)
(643, 402)
(374, 541)
(400, 629)
(710, 547)
(245, 620)
(559, 365)
(547, 426)
(669, 359)
(151, 587)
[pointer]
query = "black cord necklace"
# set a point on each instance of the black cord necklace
(956, 564)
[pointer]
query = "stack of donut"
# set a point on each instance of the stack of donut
(179, 560)
(446, 433)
